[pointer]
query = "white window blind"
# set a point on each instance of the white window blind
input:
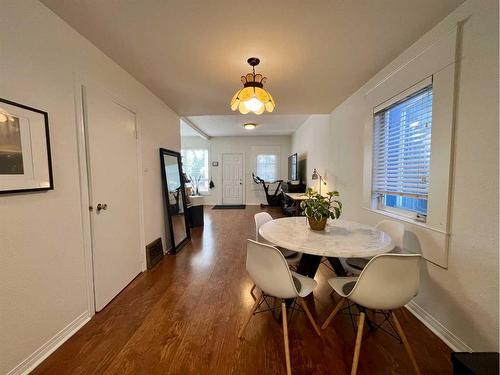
(402, 147)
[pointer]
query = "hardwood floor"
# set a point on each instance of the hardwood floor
(183, 317)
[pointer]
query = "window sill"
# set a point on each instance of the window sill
(405, 219)
(204, 193)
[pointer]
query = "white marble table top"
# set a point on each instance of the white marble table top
(345, 239)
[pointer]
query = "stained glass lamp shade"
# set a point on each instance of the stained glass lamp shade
(253, 97)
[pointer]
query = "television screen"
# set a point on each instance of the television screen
(293, 168)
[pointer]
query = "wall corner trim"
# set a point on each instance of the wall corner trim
(37, 357)
(448, 337)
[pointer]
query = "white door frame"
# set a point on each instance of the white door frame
(243, 173)
(79, 84)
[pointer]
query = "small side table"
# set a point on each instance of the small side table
(195, 211)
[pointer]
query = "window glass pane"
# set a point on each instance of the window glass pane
(267, 167)
(195, 166)
(402, 152)
(406, 203)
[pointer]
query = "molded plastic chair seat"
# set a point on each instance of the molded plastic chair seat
(342, 285)
(286, 253)
(307, 285)
(358, 263)
(292, 257)
(394, 229)
(388, 282)
(269, 271)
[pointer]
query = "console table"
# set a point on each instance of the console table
(195, 211)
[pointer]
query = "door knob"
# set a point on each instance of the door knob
(102, 206)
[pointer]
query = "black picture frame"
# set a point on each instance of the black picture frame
(48, 150)
(168, 214)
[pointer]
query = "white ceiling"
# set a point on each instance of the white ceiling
(188, 131)
(192, 53)
(231, 125)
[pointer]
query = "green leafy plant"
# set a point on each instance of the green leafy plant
(319, 207)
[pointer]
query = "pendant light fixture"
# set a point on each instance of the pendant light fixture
(5, 116)
(252, 97)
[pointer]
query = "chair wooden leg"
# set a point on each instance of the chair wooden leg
(251, 291)
(357, 347)
(285, 338)
(247, 319)
(405, 343)
(337, 308)
(404, 313)
(309, 315)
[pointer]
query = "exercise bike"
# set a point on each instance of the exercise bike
(274, 200)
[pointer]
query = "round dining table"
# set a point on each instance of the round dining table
(340, 239)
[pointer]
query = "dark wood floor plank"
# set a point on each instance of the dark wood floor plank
(183, 316)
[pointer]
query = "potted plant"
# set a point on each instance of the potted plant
(319, 208)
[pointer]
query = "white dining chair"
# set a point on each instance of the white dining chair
(292, 257)
(269, 270)
(393, 228)
(388, 282)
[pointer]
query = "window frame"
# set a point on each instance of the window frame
(202, 188)
(276, 165)
(378, 197)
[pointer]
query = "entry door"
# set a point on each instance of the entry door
(232, 179)
(114, 199)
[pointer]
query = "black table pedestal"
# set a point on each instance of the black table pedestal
(309, 265)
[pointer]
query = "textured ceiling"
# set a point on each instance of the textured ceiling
(192, 53)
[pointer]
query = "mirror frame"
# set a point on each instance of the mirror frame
(168, 216)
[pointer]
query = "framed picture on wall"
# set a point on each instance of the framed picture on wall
(25, 163)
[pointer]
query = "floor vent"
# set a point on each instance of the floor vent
(154, 253)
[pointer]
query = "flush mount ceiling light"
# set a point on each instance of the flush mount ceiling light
(252, 97)
(250, 125)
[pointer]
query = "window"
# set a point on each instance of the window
(266, 167)
(195, 166)
(402, 153)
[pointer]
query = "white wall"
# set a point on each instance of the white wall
(461, 302)
(254, 194)
(311, 142)
(42, 276)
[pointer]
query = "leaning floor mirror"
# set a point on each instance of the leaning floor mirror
(176, 220)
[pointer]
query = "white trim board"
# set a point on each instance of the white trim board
(39, 355)
(448, 337)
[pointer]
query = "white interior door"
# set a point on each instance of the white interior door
(111, 149)
(232, 178)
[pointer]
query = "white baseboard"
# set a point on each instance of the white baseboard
(455, 343)
(34, 359)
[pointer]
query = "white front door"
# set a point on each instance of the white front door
(232, 178)
(111, 148)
